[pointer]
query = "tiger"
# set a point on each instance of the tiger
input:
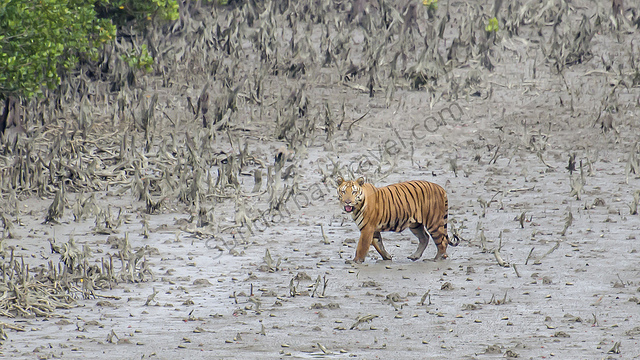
(417, 205)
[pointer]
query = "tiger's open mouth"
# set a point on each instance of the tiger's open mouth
(348, 208)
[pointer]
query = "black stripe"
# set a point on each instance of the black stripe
(393, 221)
(407, 210)
(401, 213)
(424, 191)
(397, 207)
(419, 202)
(400, 209)
(406, 206)
(386, 214)
(412, 192)
(405, 192)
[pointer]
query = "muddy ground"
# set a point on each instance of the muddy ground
(214, 284)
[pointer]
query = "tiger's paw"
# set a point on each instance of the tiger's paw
(441, 257)
(413, 257)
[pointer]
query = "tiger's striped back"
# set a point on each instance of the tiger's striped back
(411, 202)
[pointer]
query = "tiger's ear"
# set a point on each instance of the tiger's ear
(360, 181)
(339, 180)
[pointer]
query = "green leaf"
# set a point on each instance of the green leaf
(431, 4)
(492, 25)
(41, 39)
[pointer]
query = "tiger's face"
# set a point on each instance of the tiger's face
(350, 193)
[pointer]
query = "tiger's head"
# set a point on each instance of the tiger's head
(350, 193)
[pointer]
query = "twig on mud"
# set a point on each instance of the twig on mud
(12, 327)
(151, 297)
(496, 253)
(567, 222)
(113, 297)
(272, 266)
(529, 256)
(111, 336)
(453, 164)
(255, 302)
(424, 298)
(483, 241)
(615, 349)
(522, 189)
(392, 299)
(622, 284)
(483, 205)
(56, 209)
(568, 90)
(554, 248)
(355, 121)
(343, 114)
(293, 290)
(577, 183)
(325, 281)
(572, 163)
(633, 208)
(257, 180)
(493, 300)
(521, 219)
(325, 240)
(316, 286)
(499, 259)
(515, 268)
(168, 117)
(632, 163)
(539, 154)
(363, 319)
(324, 349)
(358, 87)
(495, 155)
(493, 198)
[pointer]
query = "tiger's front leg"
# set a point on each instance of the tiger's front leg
(377, 243)
(366, 237)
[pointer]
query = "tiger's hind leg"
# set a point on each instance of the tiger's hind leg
(378, 245)
(441, 239)
(419, 232)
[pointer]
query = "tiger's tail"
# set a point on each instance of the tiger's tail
(456, 238)
(446, 221)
